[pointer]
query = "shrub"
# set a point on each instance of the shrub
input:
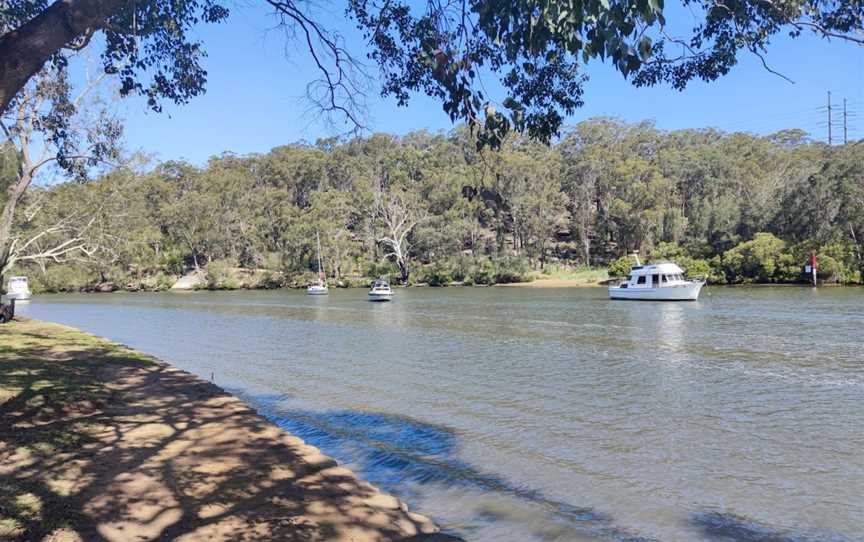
(157, 283)
(460, 268)
(844, 260)
(218, 276)
(60, 278)
(621, 266)
(381, 268)
(762, 259)
(511, 269)
(269, 280)
(437, 275)
(171, 261)
(483, 273)
(695, 267)
(828, 269)
(666, 252)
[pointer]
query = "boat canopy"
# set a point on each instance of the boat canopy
(664, 268)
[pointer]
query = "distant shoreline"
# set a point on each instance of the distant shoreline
(536, 283)
(554, 283)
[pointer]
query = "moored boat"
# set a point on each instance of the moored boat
(380, 291)
(657, 282)
(317, 289)
(320, 287)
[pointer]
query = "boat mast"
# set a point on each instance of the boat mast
(318, 239)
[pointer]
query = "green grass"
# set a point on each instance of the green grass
(585, 275)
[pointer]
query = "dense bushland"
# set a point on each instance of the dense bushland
(430, 208)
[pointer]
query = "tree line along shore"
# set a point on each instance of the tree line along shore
(431, 209)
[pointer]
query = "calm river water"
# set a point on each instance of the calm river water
(520, 414)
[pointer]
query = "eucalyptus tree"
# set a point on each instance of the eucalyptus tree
(443, 49)
(50, 123)
(537, 51)
(398, 212)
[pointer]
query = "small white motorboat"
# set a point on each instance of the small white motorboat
(320, 287)
(657, 282)
(18, 289)
(380, 291)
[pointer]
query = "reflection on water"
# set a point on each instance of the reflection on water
(518, 414)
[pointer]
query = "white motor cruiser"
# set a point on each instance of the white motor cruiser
(18, 289)
(657, 282)
(380, 291)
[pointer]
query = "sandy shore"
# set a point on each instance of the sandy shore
(99, 442)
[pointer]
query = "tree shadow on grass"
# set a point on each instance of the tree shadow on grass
(99, 443)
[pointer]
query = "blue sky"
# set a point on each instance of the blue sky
(256, 86)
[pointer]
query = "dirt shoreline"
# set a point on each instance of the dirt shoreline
(98, 441)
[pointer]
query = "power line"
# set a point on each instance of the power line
(845, 132)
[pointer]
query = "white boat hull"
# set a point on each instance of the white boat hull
(18, 296)
(380, 296)
(678, 292)
(316, 290)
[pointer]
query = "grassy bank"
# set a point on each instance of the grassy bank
(98, 441)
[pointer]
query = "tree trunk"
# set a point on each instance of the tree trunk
(7, 218)
(7, 312)
(403, 270)
(25, 50)
(857, 249)
(586, 244)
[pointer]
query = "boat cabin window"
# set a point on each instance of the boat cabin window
(655, 280)
(641, 280)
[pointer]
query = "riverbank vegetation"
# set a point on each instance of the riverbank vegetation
(431, 208)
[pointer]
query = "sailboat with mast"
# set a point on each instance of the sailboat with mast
(320, 287)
